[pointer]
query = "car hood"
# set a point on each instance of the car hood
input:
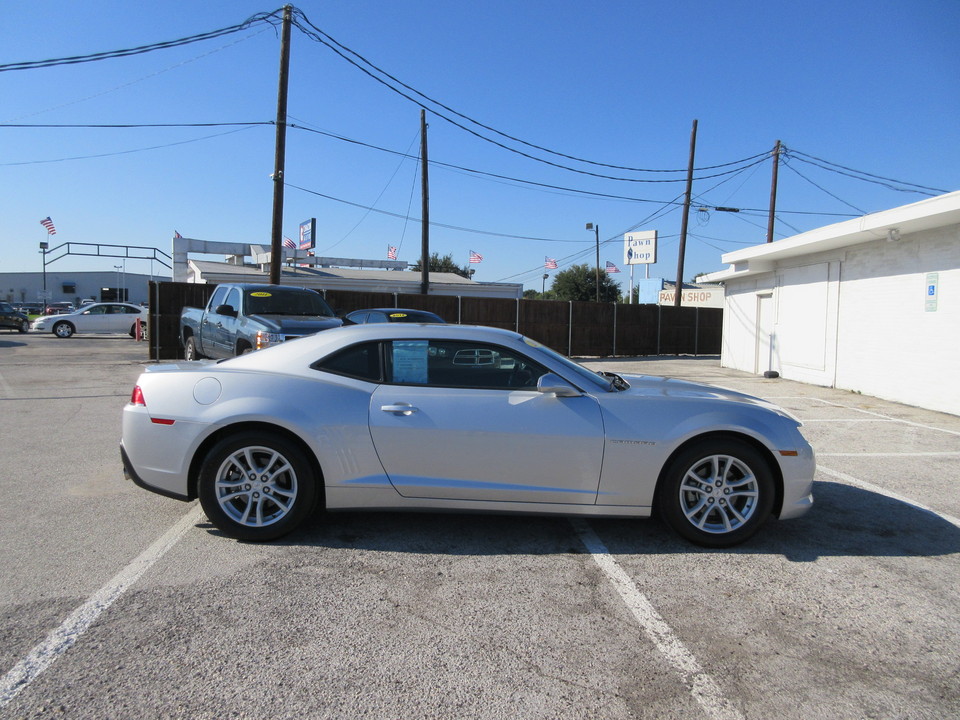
(653, 386)
(297, 324)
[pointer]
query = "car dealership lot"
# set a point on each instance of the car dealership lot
(850, 611)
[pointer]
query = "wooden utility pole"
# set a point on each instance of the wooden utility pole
(678, 290)
(773, 192)
(425, 210)
(276, 237)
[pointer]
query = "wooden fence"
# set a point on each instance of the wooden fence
(576, 329)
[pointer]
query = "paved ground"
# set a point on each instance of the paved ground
(118, 603)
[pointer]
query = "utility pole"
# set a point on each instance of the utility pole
(425, 211)
(678, 290)
(276, 238)
(773, 192)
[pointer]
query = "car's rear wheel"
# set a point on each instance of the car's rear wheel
(24, 326)
(190, 349)
(63, 329)
(257, 486)
(717, 492)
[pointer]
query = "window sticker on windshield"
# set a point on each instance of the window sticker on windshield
(398, 314)
(410, 361)
(260, 293)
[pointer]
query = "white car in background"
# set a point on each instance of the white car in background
(398, 416)
(110, 317)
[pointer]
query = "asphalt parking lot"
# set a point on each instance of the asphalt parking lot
(119, 603)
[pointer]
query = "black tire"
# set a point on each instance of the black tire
(190, 349)
(63, 329)
(717, 492)
(24, 326)
(257, 486)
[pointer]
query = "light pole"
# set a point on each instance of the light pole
(543, 284)
(596, 230)
(43, 249)
(118, 268)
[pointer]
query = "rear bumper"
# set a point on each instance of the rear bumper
(130, 474)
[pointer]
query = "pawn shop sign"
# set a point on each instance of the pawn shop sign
(640, 248)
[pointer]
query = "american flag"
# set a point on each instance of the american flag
(611, 268)
(177, 235)
(475, 257)
(391, 252)
(550, 263)
(48, 224)
(288, 243)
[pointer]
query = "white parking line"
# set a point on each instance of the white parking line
(863, 484)
(946, 453)
(64, 637)
(881, 416)
(702, 687)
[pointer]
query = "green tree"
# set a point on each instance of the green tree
(579, 282)
(443, 264)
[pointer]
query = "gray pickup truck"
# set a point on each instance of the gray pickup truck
(240, 318)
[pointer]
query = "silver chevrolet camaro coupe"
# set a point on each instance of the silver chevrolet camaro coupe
(465, 419)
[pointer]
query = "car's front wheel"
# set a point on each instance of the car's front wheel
(717, 492)
(63, 329)
(257, 486)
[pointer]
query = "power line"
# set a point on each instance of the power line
(432, 224)
(823, 189)
(323, 38)
(128, 152)
(110, 54)
(864, 176)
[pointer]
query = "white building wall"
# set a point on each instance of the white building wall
(856, 319)
(888, 344)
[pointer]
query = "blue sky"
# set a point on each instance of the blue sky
(867, 86)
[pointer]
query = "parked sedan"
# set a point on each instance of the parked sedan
(94, 318)
(10, 318)
(459, 418)
(383, 315)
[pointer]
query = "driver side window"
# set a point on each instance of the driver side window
(444, 363)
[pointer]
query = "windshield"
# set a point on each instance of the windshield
(286, 301)
(595, 381)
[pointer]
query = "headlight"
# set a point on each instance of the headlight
(266, 339)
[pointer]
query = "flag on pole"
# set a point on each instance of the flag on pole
(177, 235)
(48, 224)
(475, 257)
(611, 268)
(550, 263)
(288, 243)
(391, 252)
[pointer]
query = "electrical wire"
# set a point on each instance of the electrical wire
(140, 79)
(94, 57)
(823, 189)
(864, 176)
(318, 35)
(432, 224)
(129, 152)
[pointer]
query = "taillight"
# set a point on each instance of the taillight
(136, 397)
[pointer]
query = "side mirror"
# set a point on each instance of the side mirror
(555, 384)
(226, 310)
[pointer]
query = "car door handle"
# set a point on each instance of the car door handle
(399, 409)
